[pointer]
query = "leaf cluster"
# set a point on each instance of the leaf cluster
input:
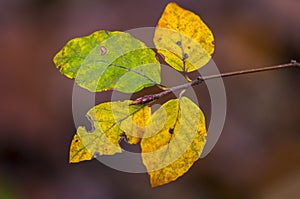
(171, 138)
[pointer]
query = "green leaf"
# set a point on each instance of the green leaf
(112, 121)
(109, 60)
(173, 140)
(183, 39)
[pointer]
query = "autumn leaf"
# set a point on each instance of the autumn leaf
(170, 146)
(109, 60)
(183, 39)
(173, 138)
(111, 121)
(78, 152)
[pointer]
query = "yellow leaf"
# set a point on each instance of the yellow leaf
(135, 130)
(112, 121)
(170, 151)
(183, 39)
(78, 148)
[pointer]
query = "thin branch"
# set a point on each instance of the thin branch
(200, 79)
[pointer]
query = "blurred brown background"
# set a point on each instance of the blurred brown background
(257, 155)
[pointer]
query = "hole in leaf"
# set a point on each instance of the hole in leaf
(179, 43)
(89, 124)
(185, 56)
(103, 50)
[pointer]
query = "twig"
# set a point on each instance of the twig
(200, 79)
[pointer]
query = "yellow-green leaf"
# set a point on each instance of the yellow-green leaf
(112, 121)
(109, 60)
(173, 143)
(183, 39)
(79, 149)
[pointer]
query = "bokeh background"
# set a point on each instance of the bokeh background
(257, 155)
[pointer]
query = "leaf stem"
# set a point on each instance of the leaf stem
(200, 79)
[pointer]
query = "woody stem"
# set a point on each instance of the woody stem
(200, 79)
